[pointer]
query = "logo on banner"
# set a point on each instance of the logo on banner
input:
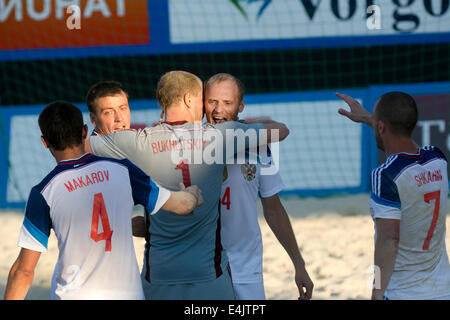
(263, 7)
(345, 10)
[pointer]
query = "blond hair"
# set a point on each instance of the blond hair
(172, 87)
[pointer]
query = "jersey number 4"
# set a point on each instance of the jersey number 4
(436, 195)
(100, 211)
(226, 198)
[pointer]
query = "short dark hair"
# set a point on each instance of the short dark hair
(61, 125)
(103, 89)
(399, 111)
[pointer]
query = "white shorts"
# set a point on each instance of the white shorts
(249, 291)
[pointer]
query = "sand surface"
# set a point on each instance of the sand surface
(335, 236)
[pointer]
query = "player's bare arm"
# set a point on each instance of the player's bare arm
(275, 131)
(357, 112)
(386, 247)
(184, 201)
(278, 221)
(21, 274)
(261, 119)
(269, 125)
(179, 202)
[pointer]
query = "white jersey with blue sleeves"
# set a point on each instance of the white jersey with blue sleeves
(413, 188)
(88, 203)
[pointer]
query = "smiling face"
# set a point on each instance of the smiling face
(222, 102)
(112, 113)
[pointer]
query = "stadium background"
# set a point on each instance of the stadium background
(291, 55)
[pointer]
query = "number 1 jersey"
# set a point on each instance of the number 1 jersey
(188, 248)
(88, 202)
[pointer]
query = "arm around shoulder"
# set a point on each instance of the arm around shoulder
(276, 131)
(184, 201)
(280, 130)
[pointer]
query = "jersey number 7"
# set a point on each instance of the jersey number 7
(100, 210)
(436, 195)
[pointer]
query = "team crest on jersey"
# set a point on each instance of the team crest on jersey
(248, 171)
